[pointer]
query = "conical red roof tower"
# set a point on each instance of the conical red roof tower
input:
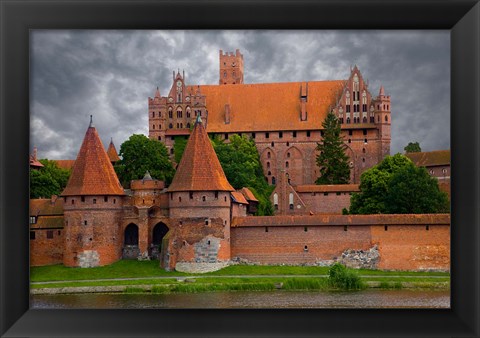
(199, 168)
(92, 173)
(112, 152)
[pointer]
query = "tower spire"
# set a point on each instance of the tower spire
(91, 122)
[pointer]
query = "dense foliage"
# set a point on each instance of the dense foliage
(241, 163)
(179, 147)
(140, 154)
(413, 147)
(332, 160)
(48, 180)
(396, 185)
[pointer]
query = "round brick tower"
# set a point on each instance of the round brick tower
(200, 203)
(93, 200)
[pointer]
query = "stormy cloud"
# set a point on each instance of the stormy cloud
(111, 74)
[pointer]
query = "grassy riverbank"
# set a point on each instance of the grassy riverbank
(146, 276)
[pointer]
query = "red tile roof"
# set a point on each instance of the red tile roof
(46, 206)
(65, 164)
(326, 220)
(199, 168)
(430, 158)
(238, 197)
(252, 105)
(112, 153)
(327, 188)
(248, 194)
(92, 173)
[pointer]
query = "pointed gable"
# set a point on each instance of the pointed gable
(92, 173)
(112, 153)
(199, 169)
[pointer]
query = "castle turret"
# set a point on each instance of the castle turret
(93, 201)
(231, 68)
(200, 203)
(112, 153)
(383, 121)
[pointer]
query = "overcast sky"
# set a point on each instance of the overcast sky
(110, 74)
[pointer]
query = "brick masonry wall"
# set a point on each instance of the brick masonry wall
(332, 203)
(46, 251)
(401, 247)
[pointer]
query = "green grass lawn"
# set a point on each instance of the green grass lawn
(149, 270)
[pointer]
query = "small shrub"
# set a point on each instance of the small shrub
(345, 279)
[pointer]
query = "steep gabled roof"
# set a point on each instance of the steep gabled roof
(249, 196)
(199, 169)
(238, 197)
(112, 152)
(430, 158)
(92, 173)
(268, 106)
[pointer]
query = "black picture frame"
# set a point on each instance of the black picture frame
(18, 17)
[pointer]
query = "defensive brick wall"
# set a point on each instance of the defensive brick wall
(47, 247)
(404, 242)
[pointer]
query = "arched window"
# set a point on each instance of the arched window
(188, 111)
(268, 155)
(170, 112)
(275, 200)
(188, 125)
(179, 112)
(268, 164)
(286, 164)
(170, 126)
(159, 231)
(273, 180)
(288, 155)
(386, 118)
(290, 201)
(348, 119)
(269, 173)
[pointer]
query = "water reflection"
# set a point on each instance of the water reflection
(224, 300)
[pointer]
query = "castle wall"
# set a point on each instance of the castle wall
(92, 231)
(404, 242)
(44, 250)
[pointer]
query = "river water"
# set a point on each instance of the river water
(238, 300)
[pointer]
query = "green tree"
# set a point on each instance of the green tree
(139, 154)
(413, 190)
(241, 163)
(385, 188)
(179, 147)
(48, 180)
(332, 160)
(413, 147)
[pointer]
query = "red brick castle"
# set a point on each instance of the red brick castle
(200, 223)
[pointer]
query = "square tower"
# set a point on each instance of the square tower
(231, 68)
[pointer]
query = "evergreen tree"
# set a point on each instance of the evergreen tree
(332, 160)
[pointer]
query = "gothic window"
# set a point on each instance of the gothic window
(153, 127)
(181, 125)
(170, 126)
(269, 173)
(179, 113)
(347, 109)
(348, 119)
(188, 111)
(275, 200)
(273, 180)
(153, 114)
(364, 119)
(347, 98)
(269, 155)
(286, 164)
(364, 97)
(288, 154)
(386, 118)
(170, 112)
(290, 200)
(268, 165)
(188, 125)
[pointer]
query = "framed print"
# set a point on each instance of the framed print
(21, 21)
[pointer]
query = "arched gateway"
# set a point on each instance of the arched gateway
(158, 233)
(130, 242)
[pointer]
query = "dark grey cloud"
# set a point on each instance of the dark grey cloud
(110, 74)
